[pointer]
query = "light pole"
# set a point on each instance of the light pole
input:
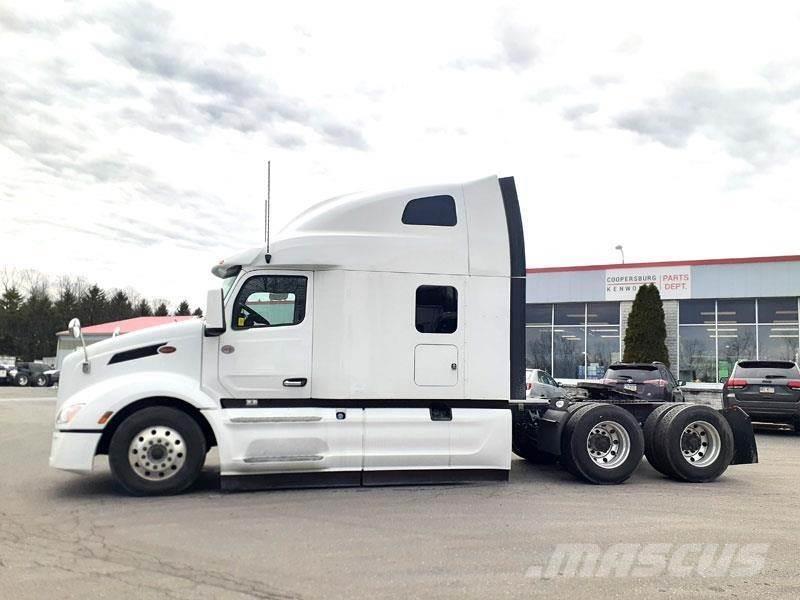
(621, 251)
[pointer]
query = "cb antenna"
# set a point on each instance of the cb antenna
(266, 206)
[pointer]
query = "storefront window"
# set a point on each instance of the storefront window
(573, 313)
(777, 310)
(778, 341)
(699, 312)
(539, 314)
(603, 313)
(734, 342)
(736, 311)
(568, 348)
(602, 349)
(538, 348)
(698, 354)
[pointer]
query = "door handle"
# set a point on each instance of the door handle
(295, 382)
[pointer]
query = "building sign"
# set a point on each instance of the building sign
(672, 282)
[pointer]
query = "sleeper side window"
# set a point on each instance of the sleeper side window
(270, 301)
(436, 309)
(431, 210)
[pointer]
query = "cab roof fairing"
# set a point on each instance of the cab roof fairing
(364, 231)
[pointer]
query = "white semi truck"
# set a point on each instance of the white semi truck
(379, 340)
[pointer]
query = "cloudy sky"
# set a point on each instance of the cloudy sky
(134, 135)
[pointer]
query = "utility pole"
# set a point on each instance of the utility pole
(266, 206)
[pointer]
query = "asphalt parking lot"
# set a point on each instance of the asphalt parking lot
(75, 537)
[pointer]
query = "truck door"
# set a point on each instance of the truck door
(414, 434)
(264, 365)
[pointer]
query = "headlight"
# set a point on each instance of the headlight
(66, 414)
(12, 373)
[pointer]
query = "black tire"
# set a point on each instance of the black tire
(193, 452)
(566, 436)
(21, 380)
(583, 427)
(670, 443)
(650, 426)
(39, 380)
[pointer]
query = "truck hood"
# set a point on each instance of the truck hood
(135, 352)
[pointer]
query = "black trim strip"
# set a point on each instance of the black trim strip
(273, 481)
(359, 403)
(135, 353)
(283, 481)
(80, 431)
(433, 476)
(516, 249)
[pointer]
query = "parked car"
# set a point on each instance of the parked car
(539, 384)
(651, 382)
(767, 390)
(5, 373)
(31, 373)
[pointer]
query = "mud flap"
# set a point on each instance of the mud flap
(744, 440)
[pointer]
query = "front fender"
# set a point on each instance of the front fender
(117, 392)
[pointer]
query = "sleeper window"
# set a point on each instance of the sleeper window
(437, 309)
(270, 301)
(431, 210)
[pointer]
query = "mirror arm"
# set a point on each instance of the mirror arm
(86, 366)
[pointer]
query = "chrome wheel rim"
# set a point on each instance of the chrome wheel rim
(608, 444)
(157, 453)
(700, 443)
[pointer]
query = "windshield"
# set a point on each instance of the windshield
(227, 285)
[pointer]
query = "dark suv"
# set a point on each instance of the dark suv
(644, 381)
(767, 390)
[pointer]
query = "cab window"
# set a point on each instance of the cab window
(270, 301)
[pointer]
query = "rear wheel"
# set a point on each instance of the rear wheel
(157, 451)
(650, 426)
(603, 444)
(40, 380)
(694, 443)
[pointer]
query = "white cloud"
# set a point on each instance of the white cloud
(133, 137)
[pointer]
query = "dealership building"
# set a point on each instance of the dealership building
(717, 312)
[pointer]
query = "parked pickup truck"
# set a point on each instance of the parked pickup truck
(380, 339)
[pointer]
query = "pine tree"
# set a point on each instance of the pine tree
(183, 309)
(142, 309)
(119, 307)
(162, 311)
(94, 306)
(198, 312)
(11, 332)
(646, 334)
(40, 325)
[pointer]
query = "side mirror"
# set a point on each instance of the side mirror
(723, 379)
(681, 383)
(215, 313)
(75, 327)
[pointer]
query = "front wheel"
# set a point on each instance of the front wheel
(21, 380)
(157, 451)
